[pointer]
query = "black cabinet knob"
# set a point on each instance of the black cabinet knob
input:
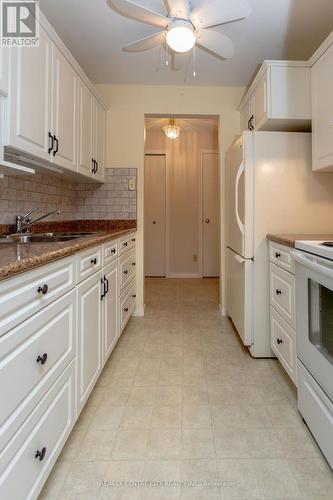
(42, 359)
(125, 244)
(278, 292)
(134, 296)
(94, 261)
(41, 454)
(133, 264)
(43, 289)
(113, 250)
(125, 272)
(277, 255)
(133, 240)
(279, 341)
(125, 309)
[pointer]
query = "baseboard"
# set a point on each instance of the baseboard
(183, 276)
(139, 311)
(223, 312)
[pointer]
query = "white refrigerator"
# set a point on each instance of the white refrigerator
(270, 188)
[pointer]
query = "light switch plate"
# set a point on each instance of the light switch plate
(131, 184)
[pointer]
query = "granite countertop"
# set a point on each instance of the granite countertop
(19, 257)
(290, 239)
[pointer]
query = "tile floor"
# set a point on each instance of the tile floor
(183, 410)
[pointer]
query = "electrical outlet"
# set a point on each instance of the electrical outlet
(131, 185)
(195, 258)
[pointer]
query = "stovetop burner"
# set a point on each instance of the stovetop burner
(327, 243)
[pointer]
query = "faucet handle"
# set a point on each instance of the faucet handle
(29, 213)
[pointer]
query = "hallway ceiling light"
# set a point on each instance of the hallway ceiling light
(172, 131)
(181, 37)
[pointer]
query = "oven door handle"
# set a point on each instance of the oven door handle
(325, 270)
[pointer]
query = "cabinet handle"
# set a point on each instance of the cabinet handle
(133, 264)
(51, 145)
(113, 250)
(277, 255)
(96, 166)
(125, 272)
(134, 296)
(133, 239)
(93, 166)
(57, 145)
(250, 123)
(43, 289)
(93, 261)
(278, 292)
(42, 359)
(103, 285)
(125, 309)
(106, 281)
(279, 341)
(41, 454)
(125, 243)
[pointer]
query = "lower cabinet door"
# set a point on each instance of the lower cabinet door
(89, 336)
(283, 343)
(127, 305)
(30, 455)
(110, 309)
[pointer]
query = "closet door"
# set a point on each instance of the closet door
(211, 216)
(155, 215)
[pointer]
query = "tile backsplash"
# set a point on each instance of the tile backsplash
(111, 200)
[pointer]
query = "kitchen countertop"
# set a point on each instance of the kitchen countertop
(19, 257)
(290, 239)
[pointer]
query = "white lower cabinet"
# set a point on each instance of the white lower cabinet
(58, 326)
(89, 337)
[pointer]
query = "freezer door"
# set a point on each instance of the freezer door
(239, 295)
(239, 193)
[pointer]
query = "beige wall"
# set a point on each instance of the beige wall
(125, 140)
(183, 188)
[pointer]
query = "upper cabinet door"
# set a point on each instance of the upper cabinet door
(65, 112)
(99, 133)
(322, 112)
(260, 102)
(86, 130)
(30, 97)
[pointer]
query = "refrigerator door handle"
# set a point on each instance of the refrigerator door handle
(239, 174)
(239, 259)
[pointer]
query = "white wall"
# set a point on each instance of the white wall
(125, 141)
(183, 188)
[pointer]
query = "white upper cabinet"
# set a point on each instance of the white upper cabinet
(99, 139)
(65, 112)
(86, 131)
(30, 93)
(279, 98)
(322, 111)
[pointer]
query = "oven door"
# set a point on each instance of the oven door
(314, 317)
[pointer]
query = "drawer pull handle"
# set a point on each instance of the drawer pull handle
(125, 272)
(133, 240)
(125, 309)
(103, 285)
(41, 454)
(43, 289)
(277, 255)
(278, 292)
(94, 261)
(279, 341)
(42, 359)
(125, 244)
(134, 296)
(113, 250)
(133, 264)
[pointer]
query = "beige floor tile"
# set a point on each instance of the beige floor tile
(120, 477)
(162, 478)
(224, 416)
(240, 479)
(264, 443)
(83, 481)
(196, 417)
(130, 445)
(200, 479)
(96, 446)
(137, 417)
(297, 443)
(314, 478)
(222, 395)
(166, 417)
(168, 395)
(55, 481)
(284, 415)
(142, 396)
(116, 396)
(276, 480)
(230, 443)
(255, 417)
(198, 443)
(164, 444)
(72, 446)
(107, 418)
(195, 395)
(85, 418)
(170, 377)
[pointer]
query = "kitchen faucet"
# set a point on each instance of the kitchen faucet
(23, 222)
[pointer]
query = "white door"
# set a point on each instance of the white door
(86, 134)
(155, 215)
(65, 112)
(239, 295)
(110, 309)
(211, 215)
(89, 336)
(99, 139)
(30, 93)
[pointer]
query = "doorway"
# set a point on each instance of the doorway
(182, 206)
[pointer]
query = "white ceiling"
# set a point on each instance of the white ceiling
(276, 29)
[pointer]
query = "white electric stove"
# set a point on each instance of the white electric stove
(320, 248)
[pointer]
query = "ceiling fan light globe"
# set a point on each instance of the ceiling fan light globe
(181, 38)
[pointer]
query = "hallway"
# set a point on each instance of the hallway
(183, 409)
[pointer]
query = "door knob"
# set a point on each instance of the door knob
(207, 221)
(154, 221)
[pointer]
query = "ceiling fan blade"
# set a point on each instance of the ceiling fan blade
(138, 13)
(220, 12)
(179, 60)
(216, 43)
(178, 8)
(146, 43)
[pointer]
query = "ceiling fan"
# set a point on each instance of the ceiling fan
(184, 27)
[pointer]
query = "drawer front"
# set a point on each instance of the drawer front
(88, 262)
(110, 252)
(32, 356)
(283, 342)
(126, 243)
(127, 305)
(281, 256)
(25, 294)
(127, 267)
(23, 469)
(282, 291)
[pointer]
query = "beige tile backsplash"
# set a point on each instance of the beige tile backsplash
(111, 200)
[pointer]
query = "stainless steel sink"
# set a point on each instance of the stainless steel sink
(43, 237)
